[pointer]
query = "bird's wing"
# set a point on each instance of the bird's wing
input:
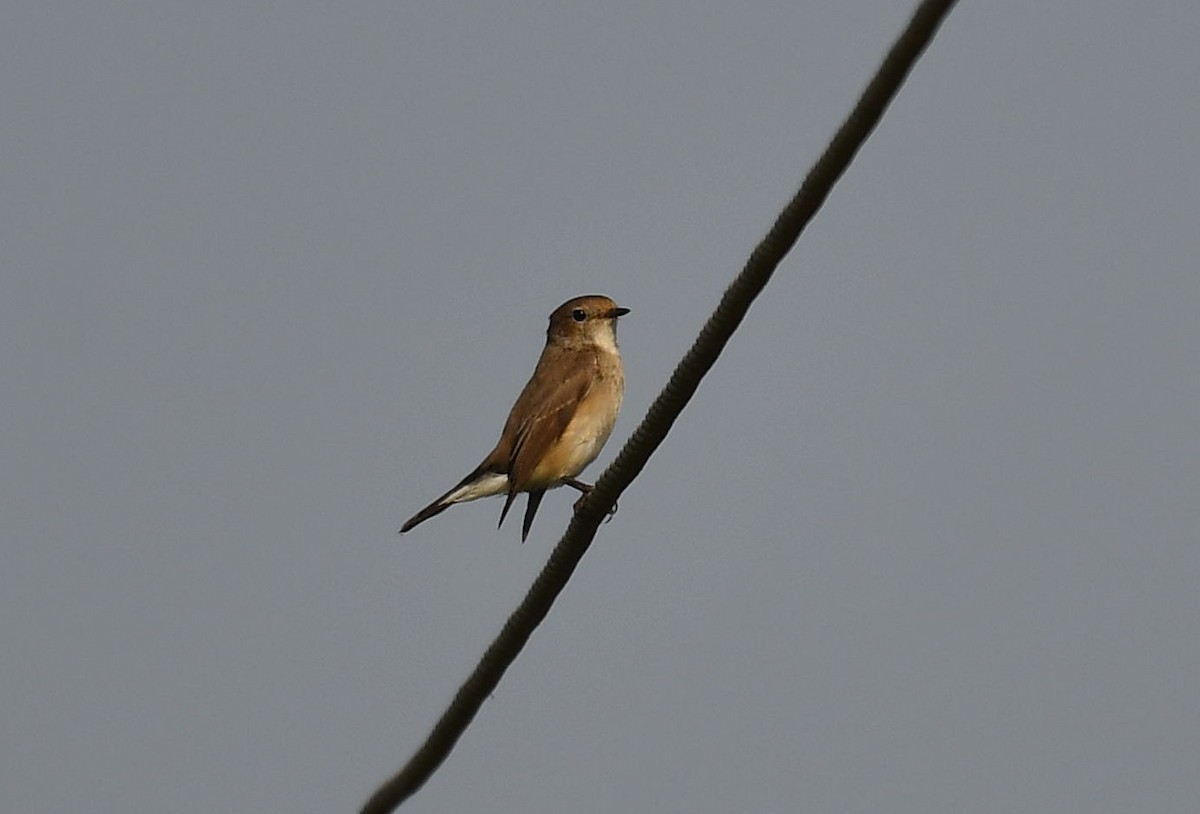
(547, 409)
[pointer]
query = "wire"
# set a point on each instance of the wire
(734, 305)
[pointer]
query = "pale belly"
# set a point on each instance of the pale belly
(583, 438)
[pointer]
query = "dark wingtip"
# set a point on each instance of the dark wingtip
(531, 508)
(508, 501)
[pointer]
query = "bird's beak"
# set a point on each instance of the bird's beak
(617, 312)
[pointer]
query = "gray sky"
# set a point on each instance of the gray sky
(926, 540)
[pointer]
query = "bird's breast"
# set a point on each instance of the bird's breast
(586, 432)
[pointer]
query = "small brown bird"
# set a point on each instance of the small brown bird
(560, 421)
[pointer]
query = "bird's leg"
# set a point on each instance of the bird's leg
(586, 490)
(578, 484)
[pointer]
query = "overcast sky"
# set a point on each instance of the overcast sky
(927, 539)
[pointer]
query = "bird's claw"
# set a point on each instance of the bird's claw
(579, 504)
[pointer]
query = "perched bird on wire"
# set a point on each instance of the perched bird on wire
(560, 421)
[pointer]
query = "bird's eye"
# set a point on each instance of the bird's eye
(579, 315)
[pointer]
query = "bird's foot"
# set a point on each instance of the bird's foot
(582, 498)
(585, 490)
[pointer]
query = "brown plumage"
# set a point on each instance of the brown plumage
(562, 418)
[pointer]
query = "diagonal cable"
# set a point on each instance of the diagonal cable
(735, 302)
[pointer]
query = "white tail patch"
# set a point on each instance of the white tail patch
(486, 485)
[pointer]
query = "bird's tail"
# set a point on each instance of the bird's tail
(436, 507)
(480, 483)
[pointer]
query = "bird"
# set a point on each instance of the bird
(560, 421)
